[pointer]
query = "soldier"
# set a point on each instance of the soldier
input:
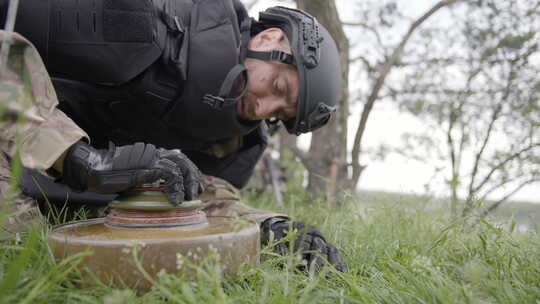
(200, 76)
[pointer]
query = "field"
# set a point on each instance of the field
(400, 249)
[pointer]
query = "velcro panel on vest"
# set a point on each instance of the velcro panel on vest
(102, 41)
(27, 20)
(127, 21)
(127, 5)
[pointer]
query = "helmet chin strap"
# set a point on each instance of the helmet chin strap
(273, 55)
(224, 98)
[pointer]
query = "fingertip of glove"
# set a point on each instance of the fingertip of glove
(201, 188)
(175, 198)
(335, 258)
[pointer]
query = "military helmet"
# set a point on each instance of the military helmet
(316, 57)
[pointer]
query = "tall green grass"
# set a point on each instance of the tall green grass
(399, 250)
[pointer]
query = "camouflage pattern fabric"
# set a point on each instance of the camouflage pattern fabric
(221, 199)
(19, 210)
(28, 96)
(31, 123)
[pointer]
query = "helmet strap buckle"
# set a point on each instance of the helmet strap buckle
(215, 102)
(274, 55)
(280, 56)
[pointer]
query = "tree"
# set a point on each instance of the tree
(481, 101)
(328, 150)
(378, 71)
(327, 156)
(328, 162)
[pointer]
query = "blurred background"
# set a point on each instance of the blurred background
(442, 99)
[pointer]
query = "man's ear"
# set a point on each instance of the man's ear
(267, 39)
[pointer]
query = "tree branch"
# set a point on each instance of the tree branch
(503, 163)
(364, 61)
(445, 61)
(506, 197)
(479, 154)
(302, 155)
(380, 81)
(367, 27)
(455, 154)
(495, 187)
(494, 117)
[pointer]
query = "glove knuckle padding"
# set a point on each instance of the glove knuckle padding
(335, 258)
(109, 182)
(76, 166)
(309, 242)
(167, 167)
(174, 182)
(120, 168)
(137, 156)
(112, 170)
(192, 177)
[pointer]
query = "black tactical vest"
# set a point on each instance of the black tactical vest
(139, 70)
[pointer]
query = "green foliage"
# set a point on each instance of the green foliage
(479, 100)
(400, 249)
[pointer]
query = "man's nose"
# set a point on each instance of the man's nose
(266, 108)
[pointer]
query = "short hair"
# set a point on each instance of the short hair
(258, 27)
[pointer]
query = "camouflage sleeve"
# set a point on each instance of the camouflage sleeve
(221, 199)
(28, 106)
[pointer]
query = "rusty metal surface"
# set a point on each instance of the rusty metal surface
(149, 199)
(236, 242)
(154, 219)
(147, 207)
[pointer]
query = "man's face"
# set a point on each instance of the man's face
(272, 88)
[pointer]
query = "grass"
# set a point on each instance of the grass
(399, 250)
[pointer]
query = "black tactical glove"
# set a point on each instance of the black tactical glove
(120, 168)
(309, 242)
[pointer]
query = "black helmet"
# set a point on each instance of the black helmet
(316, 57)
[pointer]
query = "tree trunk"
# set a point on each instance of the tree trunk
(287, 142)
(327, 162)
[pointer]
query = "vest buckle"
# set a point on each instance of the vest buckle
(215, 102)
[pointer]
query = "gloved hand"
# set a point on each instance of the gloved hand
(120, 168)
(309, 242)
